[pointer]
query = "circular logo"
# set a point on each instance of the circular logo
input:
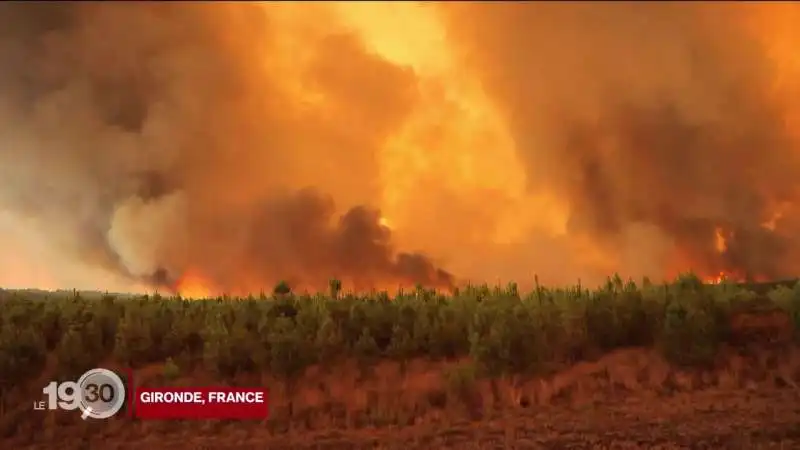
(102, 394)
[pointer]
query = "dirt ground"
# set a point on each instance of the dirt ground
(629, 399)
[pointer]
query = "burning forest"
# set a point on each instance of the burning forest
(225, 147)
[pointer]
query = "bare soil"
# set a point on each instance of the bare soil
(628, 399)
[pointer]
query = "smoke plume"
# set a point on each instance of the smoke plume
(659, 114)
(388, 144)
(162, 138)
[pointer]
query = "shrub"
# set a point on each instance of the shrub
(502, 329)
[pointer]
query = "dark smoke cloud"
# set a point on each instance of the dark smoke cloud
(356, 246)
(156, 138)
(659, 114)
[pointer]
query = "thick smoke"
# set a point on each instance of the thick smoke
(153, 139)
(246, 143)
(657, 115)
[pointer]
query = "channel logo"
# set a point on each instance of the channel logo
(98, 394)
(101, 394)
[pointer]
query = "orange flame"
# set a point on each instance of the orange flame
(193, 285)
(722, 276)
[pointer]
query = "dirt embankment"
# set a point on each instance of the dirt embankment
(631, 398)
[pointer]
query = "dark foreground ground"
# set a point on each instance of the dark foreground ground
(709, 420)
(626, 400)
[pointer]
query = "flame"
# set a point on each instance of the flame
(465, 125)
(774, 25)
(717, 279)
(385, 222)
(735, 278)
(193, 285)
(446, 139)
(720, 243)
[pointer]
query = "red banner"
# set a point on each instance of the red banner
(201, 403)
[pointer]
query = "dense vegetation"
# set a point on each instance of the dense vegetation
(502, 329)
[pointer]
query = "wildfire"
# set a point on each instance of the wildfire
(717, 279)
(736, 278)
(192, 285)
(385, 222)
(720, 242)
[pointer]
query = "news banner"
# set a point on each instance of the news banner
(102, 394)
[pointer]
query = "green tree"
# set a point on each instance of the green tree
(282, 288)
(335, 286)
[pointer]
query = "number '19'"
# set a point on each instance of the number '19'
(64, 395)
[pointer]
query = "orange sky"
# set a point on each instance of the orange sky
(443, 158)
